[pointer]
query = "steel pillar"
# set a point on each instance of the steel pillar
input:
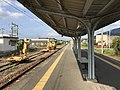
(75, 45)
(79, 47)
(91, 62)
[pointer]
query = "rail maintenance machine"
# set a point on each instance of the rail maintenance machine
(23, 54)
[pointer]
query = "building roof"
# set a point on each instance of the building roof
(67, 16)
(39, 40)
(8, 37)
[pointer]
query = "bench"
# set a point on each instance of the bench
(84, 61)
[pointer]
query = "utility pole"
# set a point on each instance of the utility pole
(2, 29)
(14, 28)
(102, 41)
(109, 39)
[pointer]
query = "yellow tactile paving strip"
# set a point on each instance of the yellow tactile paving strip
(40, 85)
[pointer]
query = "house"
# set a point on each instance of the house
(38, 43)
(41, 42)
(99, 39)
(107, 37)
(8, 43)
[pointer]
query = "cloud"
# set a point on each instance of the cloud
(4, 14)
(2, 3)
(5, 3)
(52, 34)
(15, 14)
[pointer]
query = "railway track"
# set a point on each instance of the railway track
(9, 65)
(21, 69)
(5, 64)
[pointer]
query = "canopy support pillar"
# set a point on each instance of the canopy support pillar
(79, 47)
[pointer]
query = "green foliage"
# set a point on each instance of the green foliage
(32, 49)
(116, 45)
(109, 51)
(85, 45)
(20, 44)
(97, 50)
(59, 42)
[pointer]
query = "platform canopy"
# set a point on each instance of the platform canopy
(67, 17)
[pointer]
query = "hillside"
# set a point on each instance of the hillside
(113, 32)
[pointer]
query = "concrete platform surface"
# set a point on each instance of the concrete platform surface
(66, 75)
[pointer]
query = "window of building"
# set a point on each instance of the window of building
(12, 42)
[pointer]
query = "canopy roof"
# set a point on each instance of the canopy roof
(67, 16)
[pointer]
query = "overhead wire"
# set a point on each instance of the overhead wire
(24, 12)
(20, 10)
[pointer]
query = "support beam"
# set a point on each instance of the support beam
(41, 4)
(38, 3)
(62, 9)
(75, 45)
(65, 22)
(67, 29)
(103, 9)
(87, 6)
(68, 15)
(60, 4)
(52, 20)
(79, 47)
(50, 12)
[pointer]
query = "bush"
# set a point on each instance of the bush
(116, 45)
(32, 49)
(109, 51)
(85, 45)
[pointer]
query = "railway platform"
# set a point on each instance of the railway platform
(58, 72)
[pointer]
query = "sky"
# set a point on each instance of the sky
(29, 25)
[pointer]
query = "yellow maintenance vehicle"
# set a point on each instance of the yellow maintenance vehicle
(51, 45)
(23, 53)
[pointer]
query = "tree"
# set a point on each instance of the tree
(116, 45)
(20, 45)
